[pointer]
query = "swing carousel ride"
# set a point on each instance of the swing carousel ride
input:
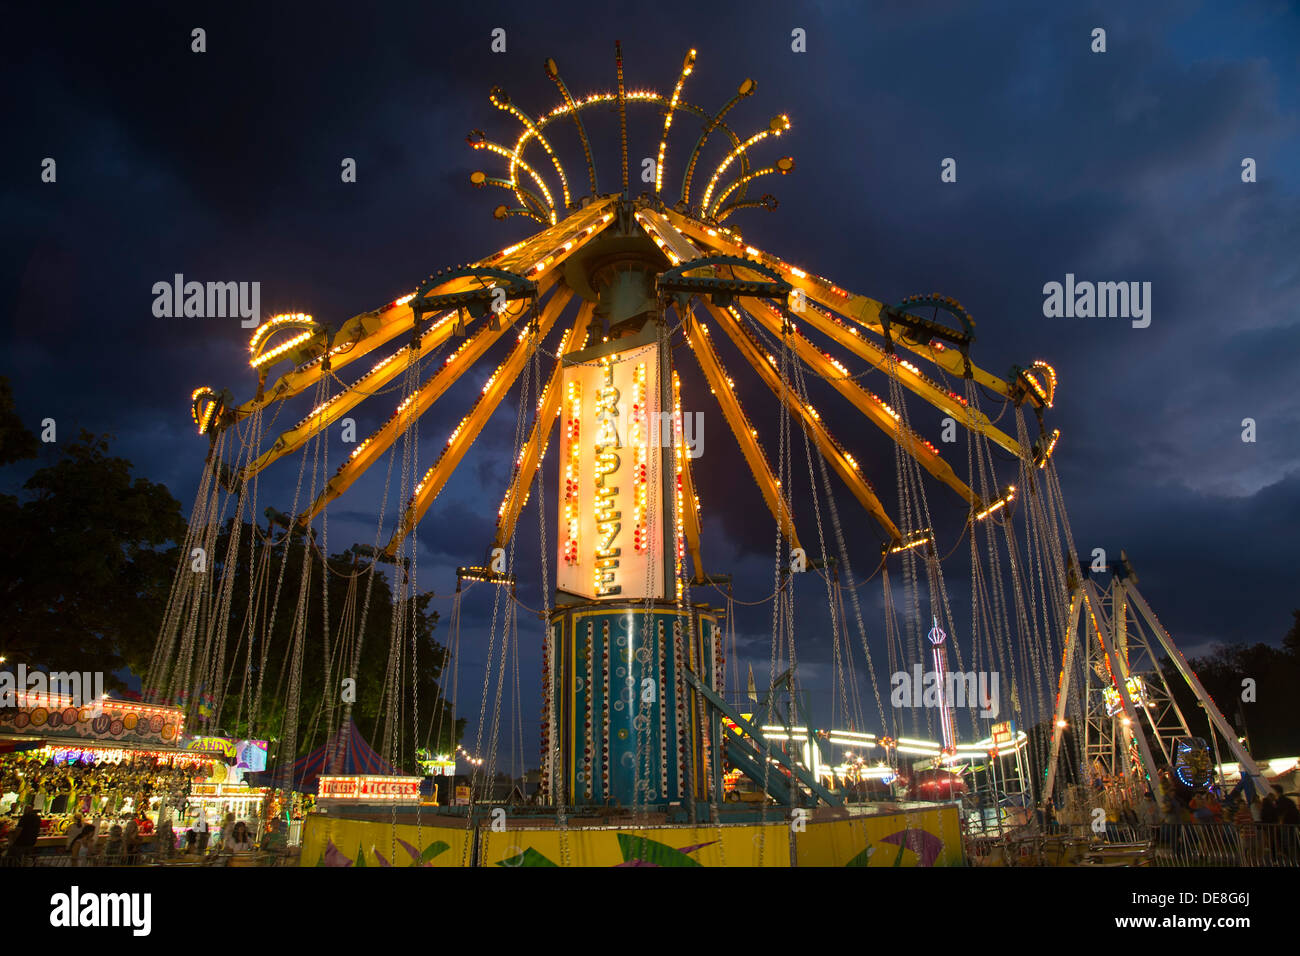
(596, 312)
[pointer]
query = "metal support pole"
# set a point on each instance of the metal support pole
(1062, 694)
(1217, 720)
(1119, 671)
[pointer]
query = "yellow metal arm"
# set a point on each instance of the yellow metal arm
(472, 424)
(860, 309)
(746, 434)
(535, 448)
(534, 258)
(910, 377)
(680, 249)
(420, 401)
(871, 405)
(342, 403)
(843, 463)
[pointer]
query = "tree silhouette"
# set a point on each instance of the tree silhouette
(86, 560)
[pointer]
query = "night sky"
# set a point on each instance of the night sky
(1122, 166)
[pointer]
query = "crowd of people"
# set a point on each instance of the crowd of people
(86, 843)
(1239, 809)
(1241, 826)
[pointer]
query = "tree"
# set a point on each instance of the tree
(1268, 720)
(86, 558)
(1291, 643)
(16, 442)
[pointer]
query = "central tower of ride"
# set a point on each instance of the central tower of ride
(622, 726)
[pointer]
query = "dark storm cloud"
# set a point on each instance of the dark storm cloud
(1122, 166)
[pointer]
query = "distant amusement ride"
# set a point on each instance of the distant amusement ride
(645, 723)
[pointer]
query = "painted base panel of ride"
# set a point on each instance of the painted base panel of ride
(907, 838)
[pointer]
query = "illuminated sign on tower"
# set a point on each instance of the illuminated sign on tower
(612, 500)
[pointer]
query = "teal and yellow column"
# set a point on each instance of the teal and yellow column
(619, 718)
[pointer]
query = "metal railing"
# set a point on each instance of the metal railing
(1163, 845)
(1225, 844)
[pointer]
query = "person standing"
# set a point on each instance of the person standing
(1246, 834)
(131, 841)
(1150, 812)
(165, 837)
(23, 842)
(239, 840)
(1268, 810)
(1286, 809)
(227, 829)
(201, 828)
(274, 838)
(81, 840)
(1289, 835)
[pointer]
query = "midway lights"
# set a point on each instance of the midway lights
(1002, 502)
(592, 99)
(976, 751)
(72, 711)
(88, 754)
(904, 745)
(478, 140)
(289, 320)
(482, 574)
(1048, 395)
(783, 165)
(652, 230)
(840, 738)
(502, 102)
(678, 486)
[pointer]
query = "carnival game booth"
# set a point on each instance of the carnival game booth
(111, 761)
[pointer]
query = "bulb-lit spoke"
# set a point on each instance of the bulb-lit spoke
(775, 128)
(534, 450)
(553, 71)
(414, 405)
(843, 463)
(478, 141)
(502, 102)
(535, 204)
(471, 426)
(722, 387)
(782, 166)
(688, 65)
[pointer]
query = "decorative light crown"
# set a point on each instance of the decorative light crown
(538, 201)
